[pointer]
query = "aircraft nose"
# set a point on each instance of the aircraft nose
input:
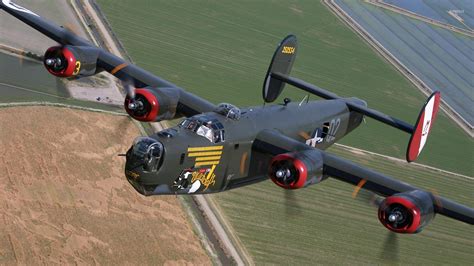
(133, 177)
(133, 173)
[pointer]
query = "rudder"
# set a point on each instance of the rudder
(282, 62)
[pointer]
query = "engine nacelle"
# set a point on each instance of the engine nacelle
(152, 104)
(297, 169)
(71, 61)
(407, 212)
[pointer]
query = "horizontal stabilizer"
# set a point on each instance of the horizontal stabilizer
(353, 106)
(308, 87)
(419, 132)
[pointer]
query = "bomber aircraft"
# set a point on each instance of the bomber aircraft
(221, 147)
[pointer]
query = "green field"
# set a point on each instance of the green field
(221, 50)
(324, 224)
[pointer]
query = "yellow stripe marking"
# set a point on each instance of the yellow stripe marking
(359, 186)
(208, 158)
(208, 153)
(206, 163)
(118, 68)
(209, 148)
(211, 172)
(209, 177)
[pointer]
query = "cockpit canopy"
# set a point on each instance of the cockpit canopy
(229, 111)
(147, 152)
(210, 128)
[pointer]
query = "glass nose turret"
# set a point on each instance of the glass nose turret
(146, 152)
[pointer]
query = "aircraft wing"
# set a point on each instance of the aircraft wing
(190, 104)
(309, 161)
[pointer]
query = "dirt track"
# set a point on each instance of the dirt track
(63, 197)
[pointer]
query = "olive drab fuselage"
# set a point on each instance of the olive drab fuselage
(191, 163)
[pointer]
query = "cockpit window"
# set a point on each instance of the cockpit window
(229, 111)
(211, 129)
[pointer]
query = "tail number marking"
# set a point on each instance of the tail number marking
(288, 50)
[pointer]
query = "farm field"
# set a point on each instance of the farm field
(323, 224)
(220, 50)
(65, 199)
(30, 75)
(30, 82)
(441, 58)
(438, 10)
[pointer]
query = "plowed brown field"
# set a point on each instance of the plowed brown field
(64, 198)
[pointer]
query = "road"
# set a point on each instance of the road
(111, 45)
(202, 201)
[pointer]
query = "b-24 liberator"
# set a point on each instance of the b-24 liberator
(221, 147)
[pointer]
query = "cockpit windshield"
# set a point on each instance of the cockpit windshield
(229, 111)
(148, 152)
(211, 129)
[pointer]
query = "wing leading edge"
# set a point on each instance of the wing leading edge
(275, 144)
(189, 104)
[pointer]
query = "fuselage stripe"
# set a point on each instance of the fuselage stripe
(206, 163)
(209, 153)
(208, 158)
(209, 148)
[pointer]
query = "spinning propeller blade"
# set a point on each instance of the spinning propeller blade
(390, 248)
(292, 207)
(389, 251)
(129, 88)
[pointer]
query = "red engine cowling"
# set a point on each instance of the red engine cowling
(296, 170)
(407, 212)
(152, 104)
(71, 61)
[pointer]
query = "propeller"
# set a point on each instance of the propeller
(284, 172)
(129, 88)
(390, 247)
(70, 30)
(134, 104)
(21, 58)
(292, 207)
(27, 58)
(368, 197)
